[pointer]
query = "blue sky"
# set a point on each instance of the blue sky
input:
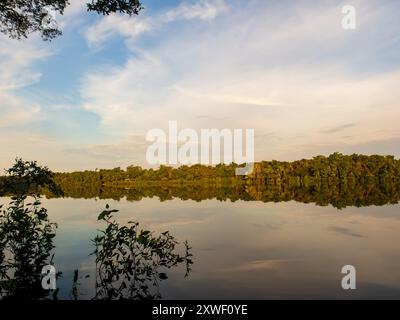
(284, 68)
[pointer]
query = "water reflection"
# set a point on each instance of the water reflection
(338, 195)
(244, 250)
(263, 246)
(130, 262)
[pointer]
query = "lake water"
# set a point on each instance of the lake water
(244, 249)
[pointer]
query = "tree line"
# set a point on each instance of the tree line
(339, 180)
(336, 168)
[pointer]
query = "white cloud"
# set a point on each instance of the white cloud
(16, 60)
(203, 9)
(113, 25)
(16, 112)
(290, 72)
(121, 153)
(293, 72)
(40, 147)
(131, 27)
(74, 15)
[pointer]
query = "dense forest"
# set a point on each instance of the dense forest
(339, 180)
(333, 169)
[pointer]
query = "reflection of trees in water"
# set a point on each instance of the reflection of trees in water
(339, 180)
(339, 195)
(130, 263)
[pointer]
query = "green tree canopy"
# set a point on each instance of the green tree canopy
(20, 18)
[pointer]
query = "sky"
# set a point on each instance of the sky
(286, 69)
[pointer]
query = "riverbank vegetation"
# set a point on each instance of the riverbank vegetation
(339, 180)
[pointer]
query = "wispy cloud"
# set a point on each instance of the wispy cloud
(123, 153)
(114, 25)
(16, 111)
(283, 67)
(291, 77)
(16, 60)
(339, 128)
(129, 27)
(203, 9)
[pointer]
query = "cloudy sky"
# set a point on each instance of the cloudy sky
(284, 68)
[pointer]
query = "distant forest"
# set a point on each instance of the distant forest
(339, 180)
(335, 169)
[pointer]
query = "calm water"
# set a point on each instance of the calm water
(245, 250)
